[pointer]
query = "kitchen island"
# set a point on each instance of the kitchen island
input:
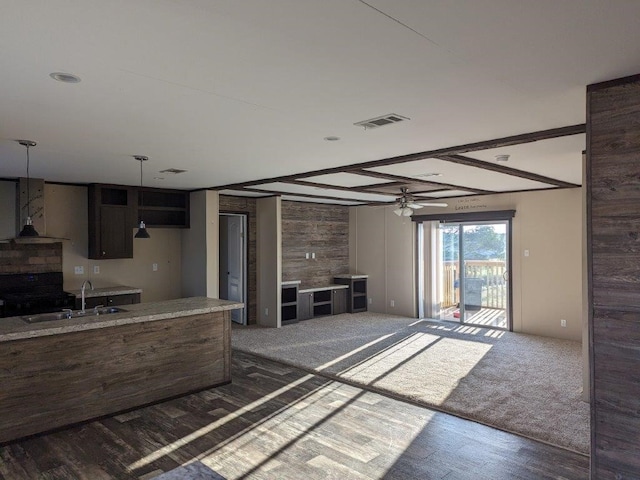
(67, 371)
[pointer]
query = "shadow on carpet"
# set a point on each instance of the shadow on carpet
(520, 383)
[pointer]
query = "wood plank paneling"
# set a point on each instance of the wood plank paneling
(246, 205)
(56, 380)
(613, 199)
(319, 229)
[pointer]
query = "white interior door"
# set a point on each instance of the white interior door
(233, 257)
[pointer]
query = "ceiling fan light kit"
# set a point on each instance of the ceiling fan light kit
(406, 204)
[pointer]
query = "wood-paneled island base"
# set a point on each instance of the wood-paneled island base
(68, 371)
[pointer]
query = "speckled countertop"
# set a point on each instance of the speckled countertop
(106, 291)
(14, 328)
(353, 276)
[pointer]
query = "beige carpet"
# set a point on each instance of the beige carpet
(520, 383)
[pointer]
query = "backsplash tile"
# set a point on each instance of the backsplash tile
(30, 257)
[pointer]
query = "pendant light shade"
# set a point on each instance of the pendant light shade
(28, 230)
(142, 229)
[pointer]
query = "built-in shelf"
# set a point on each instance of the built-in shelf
(357, 293)
(163, 208)
(289, 302)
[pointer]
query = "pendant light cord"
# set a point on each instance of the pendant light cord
(28, 188)
(141, 191)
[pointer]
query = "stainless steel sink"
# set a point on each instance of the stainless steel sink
(48, 317)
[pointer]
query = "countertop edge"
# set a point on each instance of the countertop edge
(328, 287)
(137, 313)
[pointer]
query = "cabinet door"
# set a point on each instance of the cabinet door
(340, 301)
(111, 221)
(305, 306)
(116, 234)
(125, 299)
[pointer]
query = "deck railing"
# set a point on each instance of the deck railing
(494, 282)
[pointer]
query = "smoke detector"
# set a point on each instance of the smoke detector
(381, 121)
(502, 158)
(173, 171)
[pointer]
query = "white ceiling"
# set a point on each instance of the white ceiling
(241, 90)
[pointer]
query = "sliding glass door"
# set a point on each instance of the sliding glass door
(473, 271)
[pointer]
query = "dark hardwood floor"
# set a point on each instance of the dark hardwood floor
(277, 422)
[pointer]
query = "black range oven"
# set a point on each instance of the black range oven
(31, 293)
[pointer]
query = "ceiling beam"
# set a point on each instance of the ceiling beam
(474, 147)
(308, 195)
(456, 150)
(304, 183)
(445, 186)
(473, 162)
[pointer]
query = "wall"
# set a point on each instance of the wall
(320, 229)
(246, 205)
(66, 211)
(384, 250)
(269, 242)
(200, 250)
(613, 234)
(67, 217)
(7, 209)
(547, 285)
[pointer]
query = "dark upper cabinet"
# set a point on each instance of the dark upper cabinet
(115, 210)
(111, 221)
(163, 208)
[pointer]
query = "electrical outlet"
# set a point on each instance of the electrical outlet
(370, 300)
(563, 322)
(154, 267)
(96, 269)
(266, 312)
(79, 270)
(306, 255)
(313, 255)
(392, 303)
(526, 253)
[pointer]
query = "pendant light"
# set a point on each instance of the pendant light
(142, 229)
(28, 230)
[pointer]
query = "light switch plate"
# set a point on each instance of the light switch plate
(155, 267)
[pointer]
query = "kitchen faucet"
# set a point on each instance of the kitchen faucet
(84, 285)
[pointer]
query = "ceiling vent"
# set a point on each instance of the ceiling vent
(381, 121)
(174, 171)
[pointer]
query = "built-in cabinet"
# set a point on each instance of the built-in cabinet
(289, 303)
(115, 210)
(357, 291)
(163, 208)
(111, 220)
(318, 302)
(339, 301)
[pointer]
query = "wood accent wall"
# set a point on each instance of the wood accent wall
(229, 204)
(52, 381)
(30, 257)
(613, 233)
(321, 229)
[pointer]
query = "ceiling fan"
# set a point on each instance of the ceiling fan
(407, 203)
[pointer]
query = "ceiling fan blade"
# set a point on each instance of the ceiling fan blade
(434, 204)
(414, 205)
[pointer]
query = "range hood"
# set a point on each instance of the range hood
(35, 210)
